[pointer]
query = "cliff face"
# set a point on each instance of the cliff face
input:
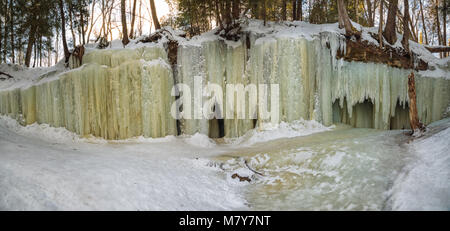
(122, 93)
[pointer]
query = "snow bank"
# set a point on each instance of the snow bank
(41, 168)
(424, 183)
(283, 130)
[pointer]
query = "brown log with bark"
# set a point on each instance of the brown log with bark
(438, 49)
(415, 124)
(362, 51)
(5, 74)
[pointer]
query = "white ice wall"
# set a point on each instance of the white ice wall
(117, 94)
(124, 93)
(313, 84)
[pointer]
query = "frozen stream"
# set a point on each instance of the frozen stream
(44, 168)
(341, 169)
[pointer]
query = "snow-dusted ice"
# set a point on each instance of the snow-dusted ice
(44, 168)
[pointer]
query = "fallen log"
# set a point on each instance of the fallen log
(7, 75)
(438, 49)
(363, 51)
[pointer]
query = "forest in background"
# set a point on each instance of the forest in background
(39, 33)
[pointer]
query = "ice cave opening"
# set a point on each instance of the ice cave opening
(400, 120)
(362, 114)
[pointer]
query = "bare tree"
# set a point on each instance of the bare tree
(125, 39)
(284, 10)
(423, 22)
(445, 25)
(91, 26)
(389, 31)
(63, 29)
(71, 23)
(300, 10)
(235, 10)
(380, 28)
(133, 19)
(344, 20)
(294, 10)
(406, 31)
(154, 15)
(370, 14)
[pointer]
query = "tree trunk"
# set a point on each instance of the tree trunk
(380, 28)
(83, 30)
(140, 18)
(370, 13)
(445, 26)
(71, 24)
(294, 10)
(284, 10)
(438, 24)
(356, 11)
(31, 39)
(423, 22)
(133, 18)
(264, 13)
(40, 52)
(235, 11)
(413, 115)
(5, 37)
(56, 48)
(344, 21)
(92, 21)
(406, 31)
(300, 10)
(63, 30)
(389, 31)
(35, 54)
(1, 35)
(11, 20)
(154, 15)
(104, 13)
(125, 39)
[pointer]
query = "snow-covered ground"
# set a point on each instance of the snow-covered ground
(425, 183)
(44, 168)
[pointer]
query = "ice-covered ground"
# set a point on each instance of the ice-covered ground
(44, 168)
(348, 169)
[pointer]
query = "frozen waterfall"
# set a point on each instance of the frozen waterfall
(123, 93)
